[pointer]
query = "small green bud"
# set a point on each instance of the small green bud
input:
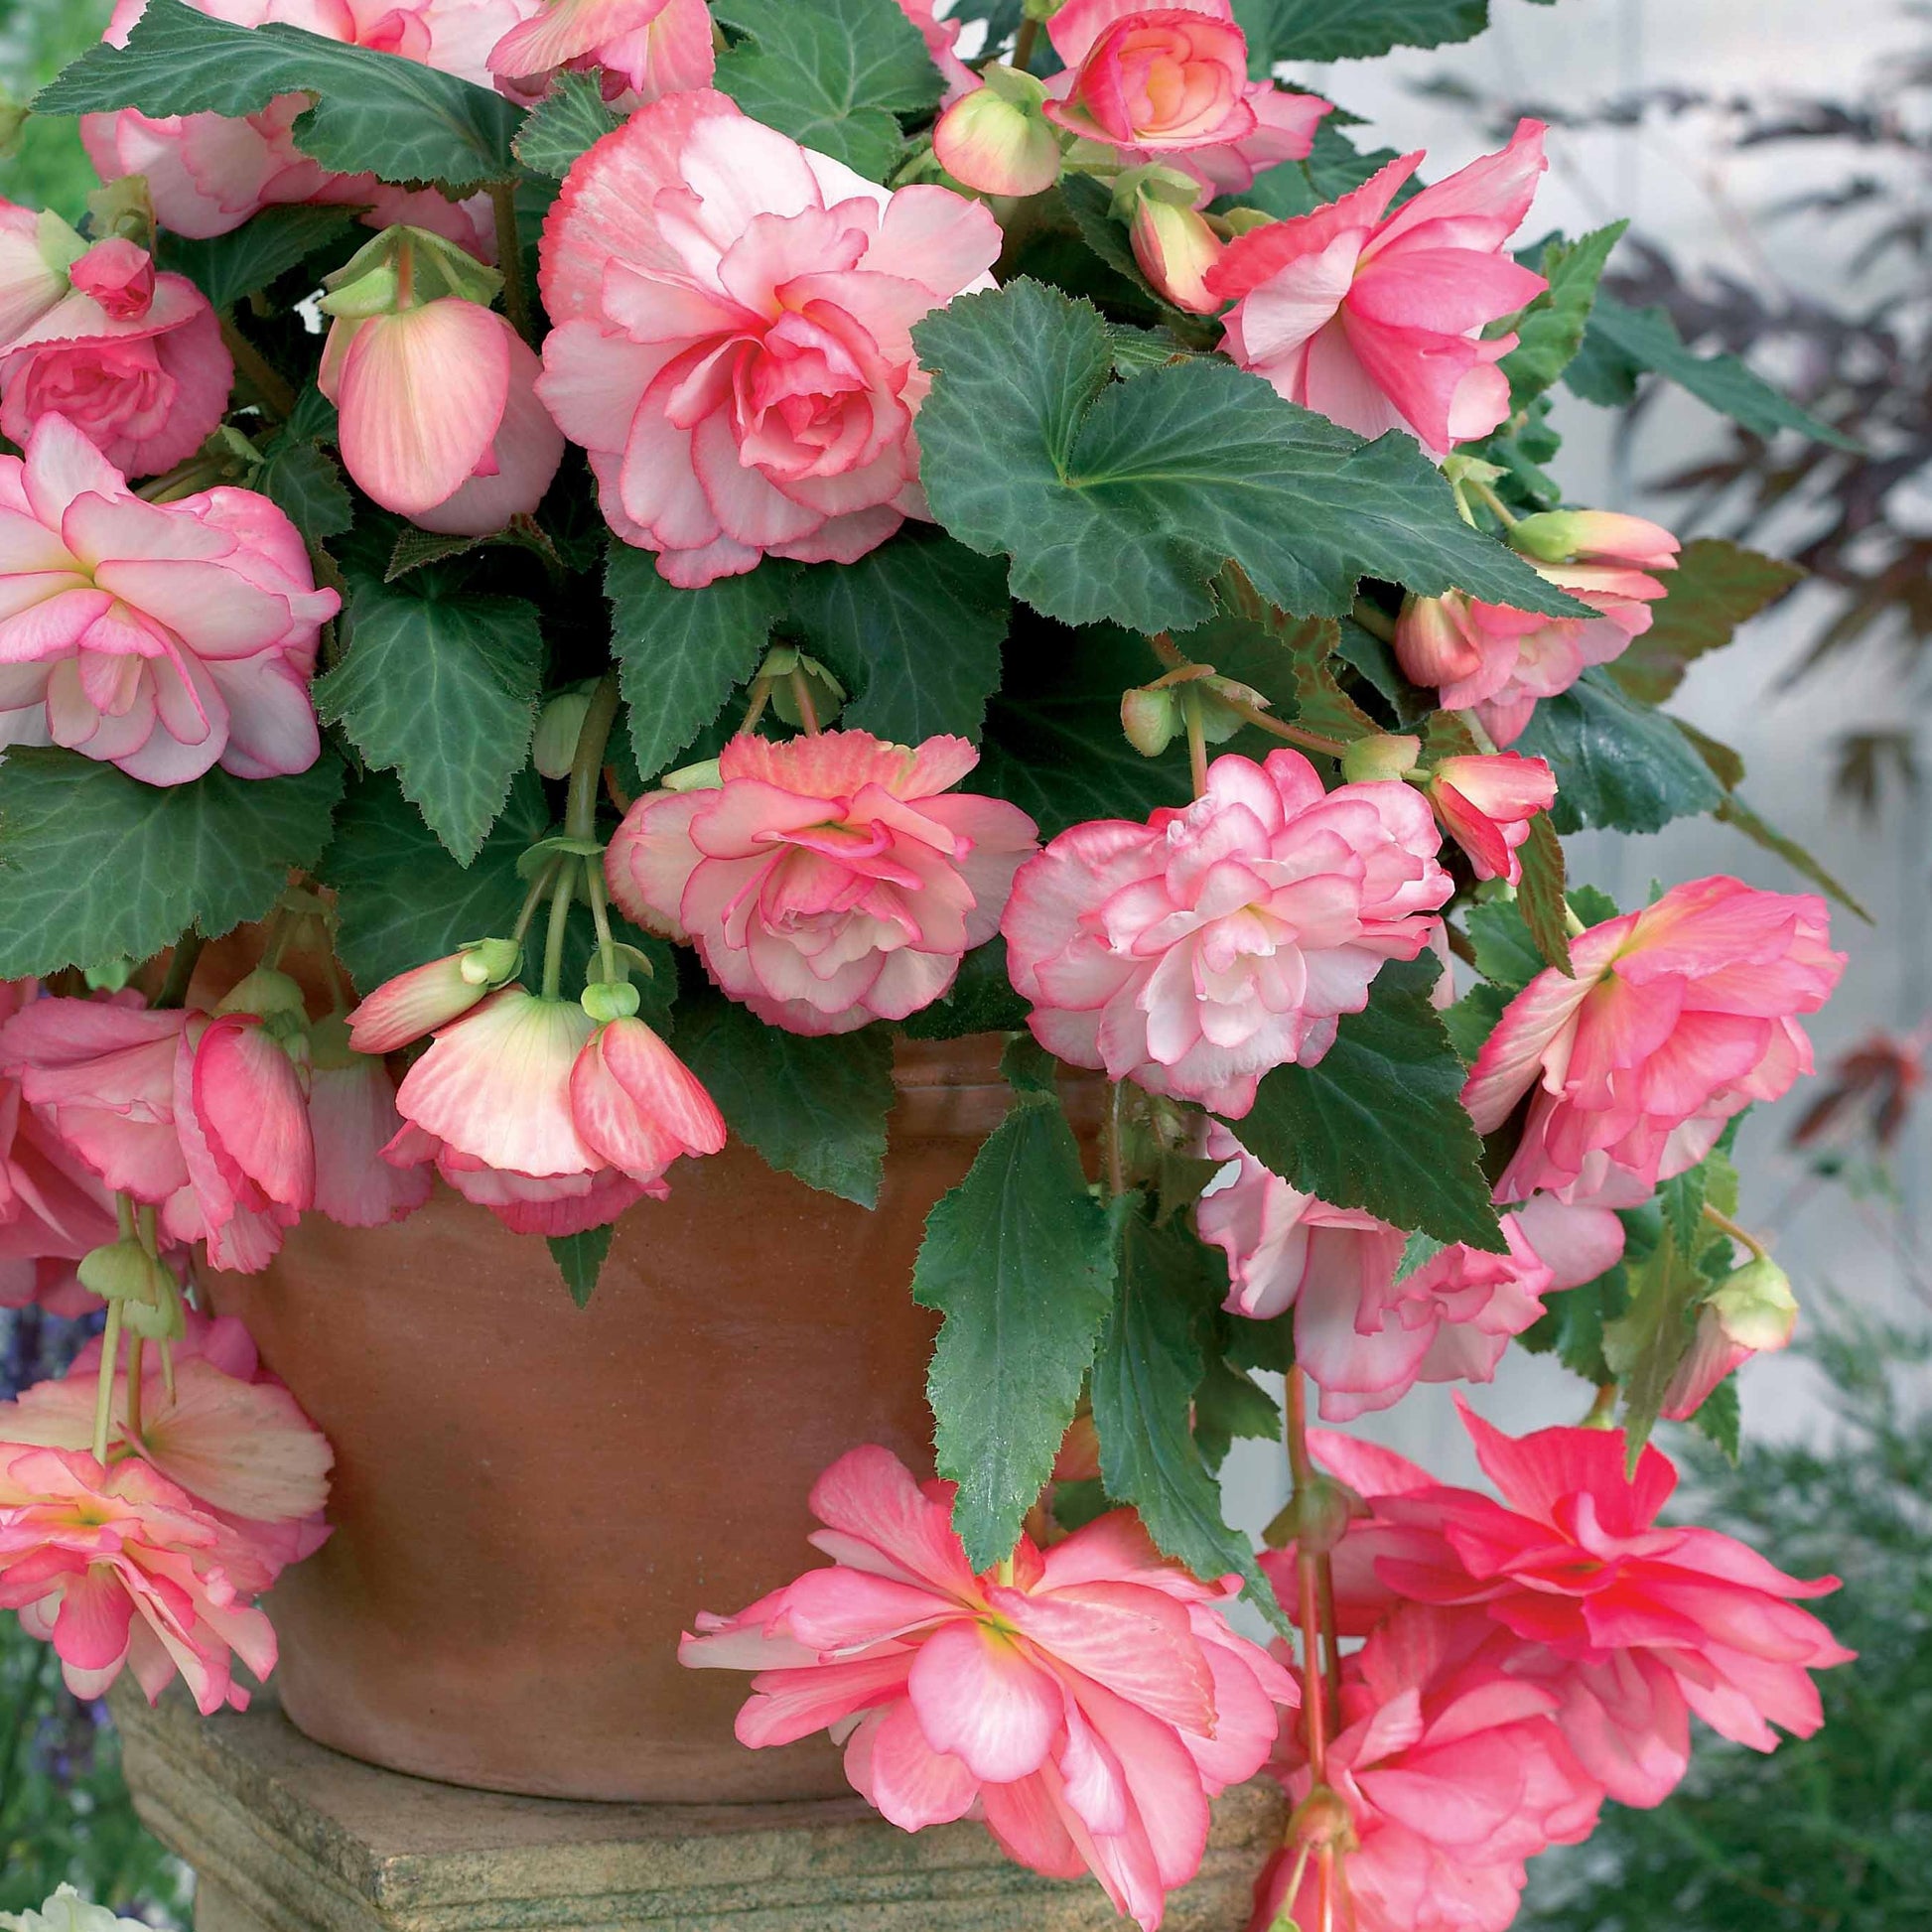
(490, 962)
(606, 999)
(1150, 716)
(1317, 1517)
(558, 728)
(1243, 220)
(1755, 1307)
(703, 776)
(120, 1272)
(266, 993)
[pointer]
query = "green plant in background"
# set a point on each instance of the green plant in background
(1833, 1833)
(41, 162)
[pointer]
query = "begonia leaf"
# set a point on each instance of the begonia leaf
(1551, 329)
(1351, 30)
(1717, 587)
(580, 1259)
(247, 258)
(571, 118)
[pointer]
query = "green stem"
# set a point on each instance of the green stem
(135, 1370)
(1197, 737)
(110, 1355)
(801, 696)
(1494, 503)
(532, 900)
(1332, 747)
(1374, 619)
(559, 930)
(271, 387)
(587, 765)
(1725, 1225)
(181, 970)
(607, 945)
(1025, 43)
(510, 258)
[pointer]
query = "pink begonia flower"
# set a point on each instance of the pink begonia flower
(1196, 951)
(118, 1568)
(352, 1117)
(941, 39)
(733, 343)
(207, 173)
(1375, 318)
(1751, 1313)
(163, 639)
(1679, 1017)
(440, 418)
(428, 998)
(556, 1124)
(1366, 1332)
(1485, 805)
(1175, 248)
(1632, 1624)
(1170, 84)
(1498, 661)
(1454, 1772)
(644, 49)
(35, 250)
(133, 360)
(828, 881)
(1086, 1705)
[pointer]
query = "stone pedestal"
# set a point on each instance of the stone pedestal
(287, 1837)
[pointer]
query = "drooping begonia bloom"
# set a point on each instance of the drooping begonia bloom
(829, 880)
(1196, 951)
(207, 173)
(1089, 1703)
(1631, 1622)
(163, 639)
(556, 1124)
(1498, 661)
(1679, 1017)
(132, 359)
(427, 998)
(35, 250)
(1365, 1332)
(733, 343)
(1485, 805)
(1751, 1313)
(1374, 317)
(643, 48)
(352, 1117)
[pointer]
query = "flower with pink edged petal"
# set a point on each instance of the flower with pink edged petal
(163, 639)
(1678, 1018)
(1176, 248)
(1752, 1312)
(1196, 951)
(995, 139)
(826, 881)
(644, 49)
(733, 343)
(1485, 804)
(1374, 317)
(36, 251)
(1086, 1702)
(352, 1117)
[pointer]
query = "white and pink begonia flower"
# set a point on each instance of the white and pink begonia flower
(352, 1117)
(733, 343)
(164, 639)
(1365, 1332)
(1085, 1703)
(1485, 804)
(644, 49)
(1679, 1017)
(1374, 317)
(1196, 952)
(1498, 661)
(36, 251)
(828, 881)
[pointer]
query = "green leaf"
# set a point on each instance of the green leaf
(1146, 1370)
(95, 865)
(1122, 499)
(1351, 30)
(580, 1259)
(1378, 1122)
(1715, 587)
(1619, 764)
(813, 1107)
(982, 1000)
(374, 113)
(249, 257)
(1551, 330)
(1472, 1019)
(1736, 813)
(569, 120)
(1680, 1200)
(1540, 893)
(440, 687)
(1573, 1326)
(1720, 1419)
(1335, 165)
(681, 654)
(1020, 1260)
(304, 484)
(831, 74)
(1622, 342)
(1507, 951)
(1229, 1406)
(914, 632)
(1644, 1345)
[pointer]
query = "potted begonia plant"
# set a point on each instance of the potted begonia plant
(910, 684)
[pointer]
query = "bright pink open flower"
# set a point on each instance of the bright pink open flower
(1199, 950)
(829, 880)
(1679, 1017)
(643, 48)
(1485, 805)
(733, 343)
(163, 639)
(1375, 317)
(1089, 1705)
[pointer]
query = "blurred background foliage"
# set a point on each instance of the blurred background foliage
(42, 163)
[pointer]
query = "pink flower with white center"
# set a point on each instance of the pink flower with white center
(828, 881)
(1678, 1018)
(133, 360)
(1196, 951)
(1086, 1705)
(556, 1124)
(163, 639)
(644, 49)
(1485, 805)
(1498, 661)
(1365, 1332)
(733, 343)
(1375, 318)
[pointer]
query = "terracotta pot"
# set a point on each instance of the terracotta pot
(532, 1501)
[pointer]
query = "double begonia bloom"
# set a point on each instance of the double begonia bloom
(643, 48)
(556, 1124)
(1086, 1702)
(1375, 318)
(1366, 1332)
(1485, 805)
(829, 880)
(733, 343)
(1196, 951)
(133, 360)
(1678, 1018)
(163, 639)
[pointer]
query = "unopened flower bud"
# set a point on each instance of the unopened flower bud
(265, 993)
(1317, 1517)
(1430, 644)
(606, 999)
(1175, 248)
(996, 140)
(1150, 716)
(1755, 1305)
(1385, 755)
(1244, 220)
(118, 1272)
(554, 748)
(703, 776)
(1564, 536)
(490, 962)
(1322, 1819)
